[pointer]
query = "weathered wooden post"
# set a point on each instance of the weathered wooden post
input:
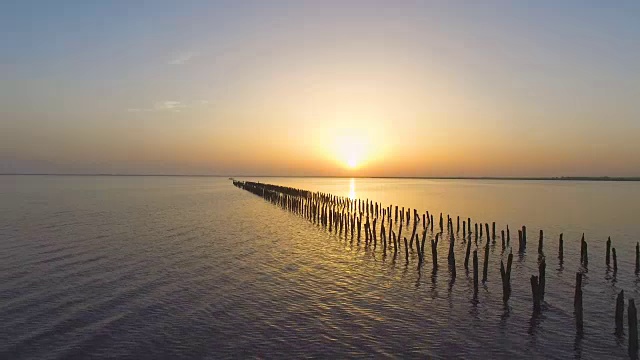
(434, 252)
(608, 251)
(505, 274)
(535, 291)
(540, 242)
(637, 258)
(452, 256)
(508, 236)
(519, 241)
(458, 225)
(524, 238)
(384, 240)
(481, 230)
(584, 254)
(476, 233)
(395, 245)
(615, 261)
(486, 225)
(502, 238)
(577, 302)
(418, 251)
(619, 313)
(413, 233)
(493, 231)
(475, 273)
(466, 256)
(406, 250)
(486, 261)
(464, 230)
(633, 329)
(561, 249)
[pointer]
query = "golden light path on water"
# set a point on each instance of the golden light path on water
(352, 189)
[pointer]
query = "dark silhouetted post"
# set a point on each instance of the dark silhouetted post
(535, 292)
(505, 274)
(540, 242)
(466, 256)
(608, 251)
(406, 250)
(434, 252)
(637, 258)
(577, 302)
(493, 231)
(561, 249)
(615, 260)
(485, 266)
(475, 273)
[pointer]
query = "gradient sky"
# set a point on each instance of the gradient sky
(367, 88)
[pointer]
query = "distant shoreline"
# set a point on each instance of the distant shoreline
(558, 178)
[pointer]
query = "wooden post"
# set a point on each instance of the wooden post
(508, 236)
(406, 250)
(540, 242)
(519, 241)
(608, 251)
(395, 245)
(434, 252)
(458, 225)
(505, 274)
(413, 234)
(535, 291)
(524, 238)
(561, 249)
(637, 258)
(502, 237)
(615, 261)
(476, 233)
(633, 329)
(464, 230)
(466, 257)
(418, 251)
(486, 261)
(493, 231)
(619, 313)
(452, 256)
(475, 273)
(486, 225)
(577, 302)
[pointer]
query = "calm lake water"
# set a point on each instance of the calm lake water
(169, 267)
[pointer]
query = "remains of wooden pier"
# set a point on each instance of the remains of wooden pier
(347, 218)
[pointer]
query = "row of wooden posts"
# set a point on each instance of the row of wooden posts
(344, 216)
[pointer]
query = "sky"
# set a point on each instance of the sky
(330, 88)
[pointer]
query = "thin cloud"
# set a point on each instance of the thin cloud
(169, 105)
(183, 58)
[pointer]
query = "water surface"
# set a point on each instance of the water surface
(149, 267)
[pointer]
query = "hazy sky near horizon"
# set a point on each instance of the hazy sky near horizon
(368, 88)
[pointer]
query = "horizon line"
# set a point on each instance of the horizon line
(550, 178)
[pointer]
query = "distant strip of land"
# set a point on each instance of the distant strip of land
(558, 178)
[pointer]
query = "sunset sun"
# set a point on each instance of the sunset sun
(351, 151)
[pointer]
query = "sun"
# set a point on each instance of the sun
(351, 151)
